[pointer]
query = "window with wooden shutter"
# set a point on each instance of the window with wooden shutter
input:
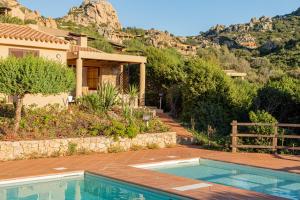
(20, 53)
(93, 78)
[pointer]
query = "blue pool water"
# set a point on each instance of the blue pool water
(87, 187)
(266, 181)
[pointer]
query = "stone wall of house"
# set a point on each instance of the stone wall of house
(58, 147)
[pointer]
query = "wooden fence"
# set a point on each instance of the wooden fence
(275, 136)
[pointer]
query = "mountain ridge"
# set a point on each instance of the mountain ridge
(274, 38)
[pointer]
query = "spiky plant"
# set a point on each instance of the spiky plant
(133, 93)
(107, 96)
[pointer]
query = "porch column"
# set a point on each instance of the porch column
(79, 69)
(121, 78)
(142, 83)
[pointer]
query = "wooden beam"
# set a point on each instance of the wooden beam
(254, 135)
(288, 148)
(113, 57)
(254, 147)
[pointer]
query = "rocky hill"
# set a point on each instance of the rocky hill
(277, 38)
(19, 11)
(256, 33)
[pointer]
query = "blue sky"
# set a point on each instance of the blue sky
(181, 17)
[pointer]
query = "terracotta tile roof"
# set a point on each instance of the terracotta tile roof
(76, 48)
(26, 33)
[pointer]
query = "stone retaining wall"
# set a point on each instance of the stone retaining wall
(57, 147)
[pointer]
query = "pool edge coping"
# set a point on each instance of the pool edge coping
(50, 176)
(168, 162)
(53, 176)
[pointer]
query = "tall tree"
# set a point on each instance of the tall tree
(33, 75)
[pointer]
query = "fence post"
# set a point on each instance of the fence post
(275, 138)
(234, 136)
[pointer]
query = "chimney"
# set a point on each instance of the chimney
(82, 41)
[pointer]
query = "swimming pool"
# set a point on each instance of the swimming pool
(277, 183)
(81, 186)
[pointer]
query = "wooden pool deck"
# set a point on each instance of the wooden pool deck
(117, 166)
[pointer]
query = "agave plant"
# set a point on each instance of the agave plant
(106, 97)
(133, 93)
(127, 112)
(109, 95)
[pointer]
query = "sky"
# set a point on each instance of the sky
(180, 17)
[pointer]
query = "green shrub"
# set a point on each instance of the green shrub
(102, 44)
(118, 129)
(215, 141)
(132, 130)
(154, 126)
(208, 96)
(135, 31)
(224, 58)
(10, 20)
(135, 46)
(92, 102)
(72, 148)
(262, 116)
(281, 98)
(96, 129)
(106, 98)
(115, 129)
(30, 21)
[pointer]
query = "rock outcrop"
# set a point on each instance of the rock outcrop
(27, 15)
(237, 35)
(259, 25)
(98, 12)
(246, 40)
(163, 39)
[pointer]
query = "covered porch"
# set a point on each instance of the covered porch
(94, 67)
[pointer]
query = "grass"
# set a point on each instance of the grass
(153, 146)
(215, 142)
(171, 145)
(116, 149)
(72, 149)
(137, 147)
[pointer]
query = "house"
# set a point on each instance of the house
(92, 66)
(235, 74)
(5, 10)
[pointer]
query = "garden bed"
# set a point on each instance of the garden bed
(52, 122)
(53, 131)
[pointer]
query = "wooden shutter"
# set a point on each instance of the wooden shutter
(92, 78)
(20, 53)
